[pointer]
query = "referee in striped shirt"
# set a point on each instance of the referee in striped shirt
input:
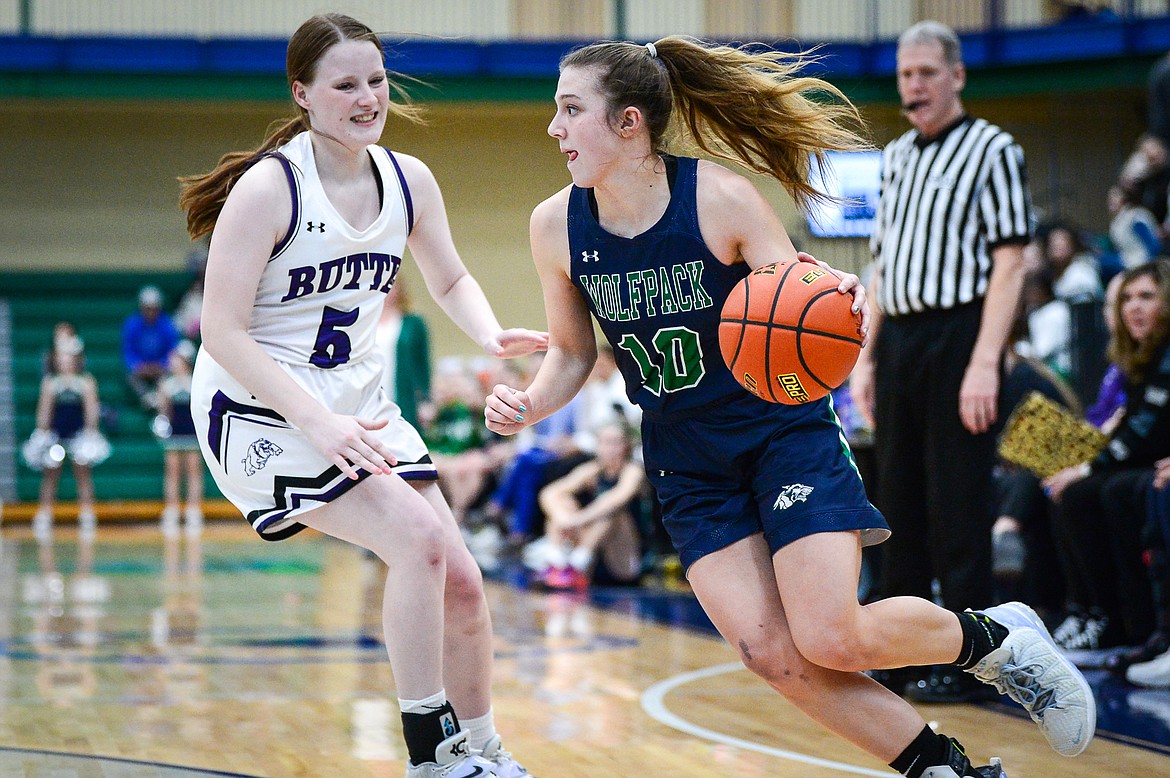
(952, 220)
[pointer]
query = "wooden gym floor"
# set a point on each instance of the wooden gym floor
(232, 656)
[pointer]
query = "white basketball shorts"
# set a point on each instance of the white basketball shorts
(266, 466)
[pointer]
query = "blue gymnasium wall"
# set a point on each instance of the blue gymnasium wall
(29, 63)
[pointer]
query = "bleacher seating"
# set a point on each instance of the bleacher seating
(97, 304)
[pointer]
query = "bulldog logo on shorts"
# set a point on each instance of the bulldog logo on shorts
(790, 495)
(258, 455)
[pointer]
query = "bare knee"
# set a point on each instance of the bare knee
(835, 645)
(419, 541)
(779, 663)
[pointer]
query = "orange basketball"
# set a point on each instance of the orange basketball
(787, 335)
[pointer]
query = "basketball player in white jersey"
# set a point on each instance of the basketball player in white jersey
(308, 234)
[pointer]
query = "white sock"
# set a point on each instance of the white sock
(433, 702)
(581, 559)
(479, 730)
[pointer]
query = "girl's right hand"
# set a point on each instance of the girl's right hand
(346, 442)
(505, 410)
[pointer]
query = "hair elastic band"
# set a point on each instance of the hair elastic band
(653, 51)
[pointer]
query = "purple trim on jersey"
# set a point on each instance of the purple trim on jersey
(289, 492)
(405, 191)
(295, 193)
(221, 404)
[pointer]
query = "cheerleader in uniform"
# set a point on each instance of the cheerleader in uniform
(67, 427)
(176, 431)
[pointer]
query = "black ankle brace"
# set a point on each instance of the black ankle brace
(423, 732)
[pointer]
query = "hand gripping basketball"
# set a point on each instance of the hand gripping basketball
(787, 335)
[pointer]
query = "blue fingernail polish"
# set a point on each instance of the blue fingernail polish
(519, 417)
(524, 409)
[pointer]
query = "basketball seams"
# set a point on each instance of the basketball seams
(783, 315)
(771, 324)
(801, 331)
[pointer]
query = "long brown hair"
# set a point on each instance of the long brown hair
(1133, 356)
(743, 104)
(204, 195)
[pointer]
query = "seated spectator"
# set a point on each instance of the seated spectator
(603, 401)
(1109, 405)
(1075, 276)
(1102, 504)
(593, 517)
(1024, 557)
(544, 451)
(1049, 324)
(1147, 172)
(148, 337)
(1132, 230)
(1149, 665)
(189, 309)
(1150, 661)
(467, 456)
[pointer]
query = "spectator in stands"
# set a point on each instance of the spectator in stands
(1133, 229)
(1149, 665)
(1102, 503)
(67, 420)
(404, 343)
(459, 442)
(189, 309)
(1147, 172)
(593, 517)
(544, 451)
(1074, 269)
(603, 401)
(1049, 324)
(1109, 405)
(148, 336)
(1024, 558)
(176, 429)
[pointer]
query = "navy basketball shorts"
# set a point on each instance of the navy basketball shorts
(746, 466)
(266, 466)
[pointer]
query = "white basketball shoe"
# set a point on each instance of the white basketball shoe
(1030, 669)
(453, 760)
(503, 762)
(994, 770)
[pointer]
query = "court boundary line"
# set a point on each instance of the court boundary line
(124, 760)
(653, 702)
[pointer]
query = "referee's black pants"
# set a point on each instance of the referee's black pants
(934, 480)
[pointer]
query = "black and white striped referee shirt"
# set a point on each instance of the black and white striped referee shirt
(944, 204)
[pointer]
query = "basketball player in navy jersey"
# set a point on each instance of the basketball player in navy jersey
(762, 501)
(308, 234)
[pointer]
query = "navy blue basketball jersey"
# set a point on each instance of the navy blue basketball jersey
(657, 297)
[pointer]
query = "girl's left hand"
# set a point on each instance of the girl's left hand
(1055, 484)
(850, 284)
(516, 342)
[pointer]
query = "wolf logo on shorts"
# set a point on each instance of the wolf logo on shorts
(258, 455)
(790, 495)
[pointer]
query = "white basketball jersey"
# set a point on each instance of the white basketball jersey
(321, 294)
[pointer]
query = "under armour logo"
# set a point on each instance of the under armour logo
(319, 226)
(589, 256)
